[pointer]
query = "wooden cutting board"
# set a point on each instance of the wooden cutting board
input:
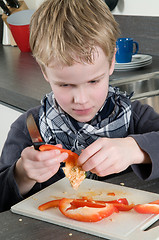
(119, 226)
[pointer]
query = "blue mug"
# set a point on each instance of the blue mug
(126, 47)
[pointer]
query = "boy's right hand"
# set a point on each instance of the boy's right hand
(35, 166)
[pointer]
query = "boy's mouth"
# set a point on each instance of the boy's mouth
(82, 111)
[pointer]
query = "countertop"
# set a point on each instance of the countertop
(17, 227)
(22, 84)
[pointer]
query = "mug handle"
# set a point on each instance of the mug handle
(136, 47)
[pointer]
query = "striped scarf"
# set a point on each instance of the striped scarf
(111, 121)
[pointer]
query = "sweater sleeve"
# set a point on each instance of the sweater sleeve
(17, 139)
(144, 128)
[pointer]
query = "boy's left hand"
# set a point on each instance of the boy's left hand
(112, 155)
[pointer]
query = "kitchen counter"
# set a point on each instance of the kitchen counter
(22, 84)
(15, 226)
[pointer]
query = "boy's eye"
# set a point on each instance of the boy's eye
(64, 85)
(94, 81)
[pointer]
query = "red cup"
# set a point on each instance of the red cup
(19, 25)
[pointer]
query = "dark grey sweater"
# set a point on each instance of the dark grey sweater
(144, 128)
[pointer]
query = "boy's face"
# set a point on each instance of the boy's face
(81, 89)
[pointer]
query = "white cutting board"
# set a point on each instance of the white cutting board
(123, 225)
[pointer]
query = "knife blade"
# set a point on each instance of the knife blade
(5, 8)
(34, 132)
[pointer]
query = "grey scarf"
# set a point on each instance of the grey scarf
(111, 121)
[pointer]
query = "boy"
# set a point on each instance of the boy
(74, 43)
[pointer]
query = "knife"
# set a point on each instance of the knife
(34, 132)
(5, 8)
(13, 3)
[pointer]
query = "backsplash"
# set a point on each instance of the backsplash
(144, 29)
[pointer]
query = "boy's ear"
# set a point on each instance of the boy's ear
(112, 66)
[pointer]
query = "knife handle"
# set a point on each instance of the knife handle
(38, 144)
(5, 8)
(13, 3)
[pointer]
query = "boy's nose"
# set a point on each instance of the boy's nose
(80, 96)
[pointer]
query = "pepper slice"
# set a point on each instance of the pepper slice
(47, 147)
(123, 207)
(84, 203)
(120, 200)
(73, 172)
(120, 204)
(147, 208)
(85, 214)
(50, 204)
(154, 202)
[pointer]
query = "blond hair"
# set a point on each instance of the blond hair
(67, 30)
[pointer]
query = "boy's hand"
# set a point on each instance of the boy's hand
(35, 166)
(108, 156)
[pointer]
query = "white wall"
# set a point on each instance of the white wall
(124, 7)
(33, 4)
(137, 7)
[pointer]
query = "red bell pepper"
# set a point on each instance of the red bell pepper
(50, 204)
(85, 214)
(84, 203)
(123, 207)
(120, 204)
(120, 200)
(71, 155)
(148, 208)
(154, 202)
